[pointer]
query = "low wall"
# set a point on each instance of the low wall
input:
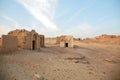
(9, 43)
(0, 42)
(42, 41)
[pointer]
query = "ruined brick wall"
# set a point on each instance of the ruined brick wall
(0, 42)
(27, 43)
(62, 44)
(66, 40)
(57, 40)
(20, 34)
(38, 44)
(21, 41)
(70, 41)
(36, 39)
(9, 43)
(28, 39)
(50, 41)
(42, 40)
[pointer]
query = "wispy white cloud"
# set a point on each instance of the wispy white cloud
(9, 25)
(13, 22)
(42, 10)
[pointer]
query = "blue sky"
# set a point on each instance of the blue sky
(80, 18)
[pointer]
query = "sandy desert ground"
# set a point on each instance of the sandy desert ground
(86, 61)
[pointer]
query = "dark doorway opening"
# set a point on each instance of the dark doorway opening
(66, 44)
(33, 45)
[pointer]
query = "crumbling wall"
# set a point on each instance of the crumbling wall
(69, 40)
(0, 42)
(26, 38)
(50, 41)
(38, 42)
(62, 44)
(20, 34)
(57, 40)
(65, 39)
(27, 43)
(9, 43)
(42, 40)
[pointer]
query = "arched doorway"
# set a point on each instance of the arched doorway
(66, 44)
(33, 45)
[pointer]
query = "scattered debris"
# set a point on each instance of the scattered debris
(104, 72)
(39, 77)
(82, 59)
(110, 61)
(75, 58)
(90, 72)
(77, 61)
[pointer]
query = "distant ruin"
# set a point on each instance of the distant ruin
(28, 39)
(65, 41)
